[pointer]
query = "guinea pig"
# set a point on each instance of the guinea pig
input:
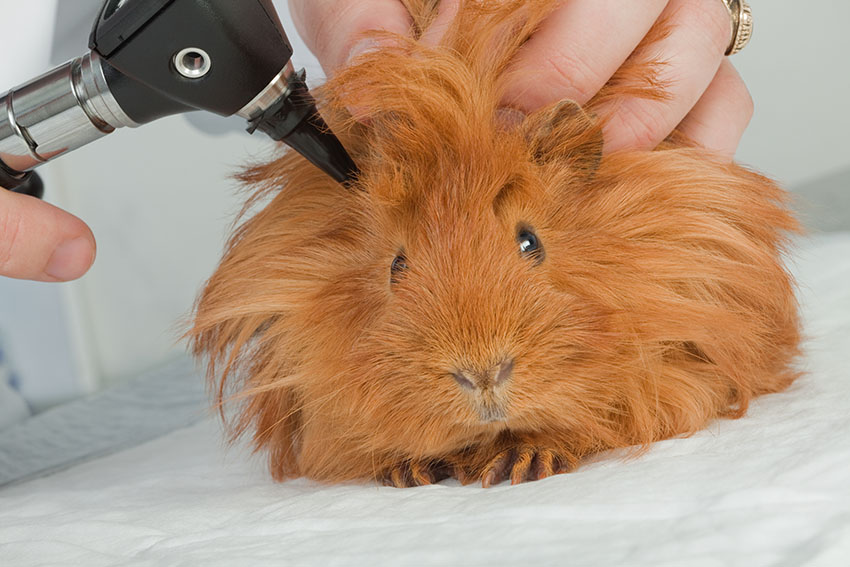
(492, 300)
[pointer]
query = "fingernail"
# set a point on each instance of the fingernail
(361, 48)
(70, 260)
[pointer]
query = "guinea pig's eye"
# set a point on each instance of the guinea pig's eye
(529, 244)
(399, 265)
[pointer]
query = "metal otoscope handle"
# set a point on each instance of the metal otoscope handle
(58, 112)
(154, 58)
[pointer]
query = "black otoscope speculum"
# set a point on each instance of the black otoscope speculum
(156, 58)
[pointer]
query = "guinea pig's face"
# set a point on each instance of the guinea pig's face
(473, 333)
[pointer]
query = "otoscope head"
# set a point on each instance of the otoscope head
(163, 57)
(156, 58)
(294, 119)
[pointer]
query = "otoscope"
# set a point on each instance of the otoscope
(154, 58)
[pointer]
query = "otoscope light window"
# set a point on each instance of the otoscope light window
(192, 62)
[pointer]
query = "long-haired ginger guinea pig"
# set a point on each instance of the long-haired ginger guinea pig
(492, 301)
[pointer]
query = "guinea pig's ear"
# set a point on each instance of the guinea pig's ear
(565, 133)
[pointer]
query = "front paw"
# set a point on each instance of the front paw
(526, 462)
(416, 473)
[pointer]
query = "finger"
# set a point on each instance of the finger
(446, 12)
(577, 49)
(719, 119)
(691, 52)
(334, 29)
(41, 242)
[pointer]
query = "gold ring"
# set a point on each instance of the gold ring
(742, 25)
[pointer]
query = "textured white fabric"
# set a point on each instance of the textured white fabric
(13, 408)
(153, 404)
(769, 489)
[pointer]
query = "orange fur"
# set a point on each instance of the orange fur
(661, 304)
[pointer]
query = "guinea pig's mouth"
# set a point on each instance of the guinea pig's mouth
(491, 413)
(486, 389)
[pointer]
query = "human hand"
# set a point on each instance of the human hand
(574, 53)
(41, 242)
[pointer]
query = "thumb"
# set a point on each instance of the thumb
(333, 29)
(41, 242)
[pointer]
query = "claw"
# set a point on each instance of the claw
(415, 473)
(397, 475)
(544, 464)
(497, 469)
(523, 464)
(421, 475)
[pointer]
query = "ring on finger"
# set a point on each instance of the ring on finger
(742, 25)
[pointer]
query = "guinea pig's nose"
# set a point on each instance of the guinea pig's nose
(490, 378)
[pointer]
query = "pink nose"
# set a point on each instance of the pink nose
(486, 380)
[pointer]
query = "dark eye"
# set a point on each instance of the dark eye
(399, 265)
(529, 244)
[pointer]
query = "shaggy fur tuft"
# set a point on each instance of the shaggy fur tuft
(657, 300)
